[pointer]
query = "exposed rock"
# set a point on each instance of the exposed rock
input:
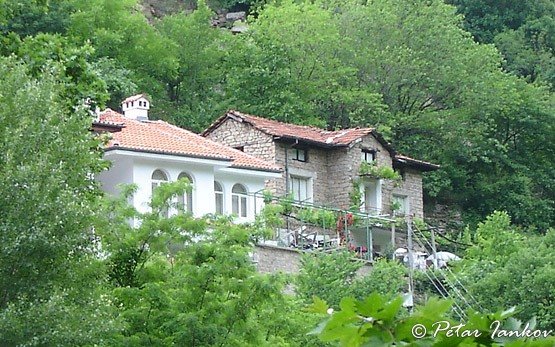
(235, 16)
(239, 27)
(445, 218)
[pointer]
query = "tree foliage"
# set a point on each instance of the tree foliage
(473, 93)
(378, 322)
(334, 276)
(504, 268)
(186, 281)
(49, 278)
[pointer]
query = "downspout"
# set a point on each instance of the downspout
(287, 188)
(286, 170)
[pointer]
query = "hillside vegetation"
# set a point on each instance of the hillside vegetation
(472, 93)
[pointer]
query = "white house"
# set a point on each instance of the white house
(148, 153)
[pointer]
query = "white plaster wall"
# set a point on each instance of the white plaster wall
(137, 168)
(254, 184)
(203, 183)
(120, 172)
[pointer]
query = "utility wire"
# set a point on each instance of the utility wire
(454, 289)
(452, 275)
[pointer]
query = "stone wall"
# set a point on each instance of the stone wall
(411, 187)
(315, 167)
(342, 168)
(254, 142)
(236, 134)
(272, 259)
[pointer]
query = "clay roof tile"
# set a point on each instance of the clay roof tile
(162, 137)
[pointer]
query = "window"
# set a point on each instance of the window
(372, 197)
(219, 196)
(300, 188)
(239, 200)
(185, 200)
(158, 178)
(399, 205)
(368, 155)
(300, 154)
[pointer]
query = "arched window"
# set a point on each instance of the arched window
(239, 200)
(185, 200)
(158, 178)
(219, 196)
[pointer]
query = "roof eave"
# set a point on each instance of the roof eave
(106, 127)
(299, 140)
(153, 151)
(416, 164)
(245, 167)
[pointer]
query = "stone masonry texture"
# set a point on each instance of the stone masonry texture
(332, 171)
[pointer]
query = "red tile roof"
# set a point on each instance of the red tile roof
(164, 138)
(305, 133)
(318, 137)
(100, 126)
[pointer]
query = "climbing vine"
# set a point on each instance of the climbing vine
(355, 196)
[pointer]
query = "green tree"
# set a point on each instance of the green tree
(523, 31)
(335, 275)
(485, 19)
(194, 90)
(287, 68)
(505, 269)
(118, 31)
(31, 17)
(186, 281)
(378, 322)
(50, 283)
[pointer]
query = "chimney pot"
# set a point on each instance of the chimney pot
(136, 107)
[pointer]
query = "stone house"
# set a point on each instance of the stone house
(322, 167)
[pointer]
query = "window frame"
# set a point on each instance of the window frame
(307, 192)
(239, 201)
(185, 200)
(364, 155)
(372, 203)
(296, 156)
(155, 182)
(219, 195)
(404, 202)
